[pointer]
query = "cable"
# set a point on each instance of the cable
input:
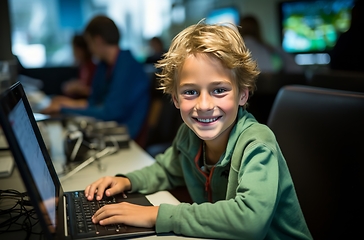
(19, 214)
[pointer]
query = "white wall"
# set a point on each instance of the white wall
(267, 14)
(265, 10)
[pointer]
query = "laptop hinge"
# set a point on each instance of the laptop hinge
(65, 216)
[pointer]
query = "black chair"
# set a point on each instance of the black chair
(167, 122)
(268, 85)
(341, 80)
(321, 134)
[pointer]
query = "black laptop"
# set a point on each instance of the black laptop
(63, 215)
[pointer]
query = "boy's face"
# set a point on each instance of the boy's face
(207, 97)
(95, 45)
(78, 54)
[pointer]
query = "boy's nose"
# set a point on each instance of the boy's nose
(204, 102)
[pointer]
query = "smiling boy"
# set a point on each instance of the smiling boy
(231, 165)
(209, 101)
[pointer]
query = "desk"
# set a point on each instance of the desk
(124, 161)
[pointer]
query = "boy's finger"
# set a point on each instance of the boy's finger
(93, 189)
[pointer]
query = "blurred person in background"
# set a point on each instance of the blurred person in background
(157, 50)
(270, 59)
(76, 91)
(120, 86)
(80, 87)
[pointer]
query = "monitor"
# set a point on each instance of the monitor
(313, 26)
(223, 15)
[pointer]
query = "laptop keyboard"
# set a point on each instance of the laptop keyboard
(84, 210)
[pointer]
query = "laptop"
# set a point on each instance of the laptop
(60, 213)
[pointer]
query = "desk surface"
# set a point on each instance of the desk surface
(124, 161)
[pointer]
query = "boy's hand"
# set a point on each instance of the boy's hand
(128, 214)
(53, 107)
(109, 185)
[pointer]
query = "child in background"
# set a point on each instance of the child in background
(120, 88)
(231, 164)
(157, 50)
(80, 88)
(270, 59)
(76, 91)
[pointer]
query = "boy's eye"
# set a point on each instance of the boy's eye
(190, 92)
(219, 90)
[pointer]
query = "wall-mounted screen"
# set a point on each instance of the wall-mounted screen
(223, 15)
(313, 26)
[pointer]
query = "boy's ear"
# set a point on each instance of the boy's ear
(243, 97)
(175, 101)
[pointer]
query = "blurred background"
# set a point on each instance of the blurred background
(40, 30)
(303, 33)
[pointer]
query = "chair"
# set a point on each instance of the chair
(321, 134)
(268, 85)
(341, 80)
(163, 119)
(164, 123)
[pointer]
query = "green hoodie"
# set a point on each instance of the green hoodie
(248, 195)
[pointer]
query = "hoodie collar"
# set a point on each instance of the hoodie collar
(243, 121)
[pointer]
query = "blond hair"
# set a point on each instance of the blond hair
(223, 42)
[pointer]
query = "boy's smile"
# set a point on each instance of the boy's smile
(207, 97)
(207, 120)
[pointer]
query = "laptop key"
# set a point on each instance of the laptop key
(111, 227)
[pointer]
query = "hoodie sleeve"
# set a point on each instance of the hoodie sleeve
(165, 173)
(157, 177)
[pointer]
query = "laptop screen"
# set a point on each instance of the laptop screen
(31, 156)
(32, 153)
(39, 176)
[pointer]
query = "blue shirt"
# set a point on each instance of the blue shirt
(119, 93)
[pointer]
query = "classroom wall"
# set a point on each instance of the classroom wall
(265, 10)
(267, 13)
(5, 39)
